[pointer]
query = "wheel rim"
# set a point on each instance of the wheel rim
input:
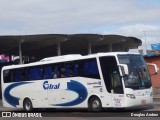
(28, 106)
(95, 104)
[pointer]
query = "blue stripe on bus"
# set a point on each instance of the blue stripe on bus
(80, 89)
(12, 100)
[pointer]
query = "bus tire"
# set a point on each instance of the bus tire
(95, 104)
(27, 105)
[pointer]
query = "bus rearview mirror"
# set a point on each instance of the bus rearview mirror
(124, 69)
(156, 69)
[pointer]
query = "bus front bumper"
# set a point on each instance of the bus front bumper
(138, 101)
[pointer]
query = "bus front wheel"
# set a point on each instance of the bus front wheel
(27, 105)
(95, 104)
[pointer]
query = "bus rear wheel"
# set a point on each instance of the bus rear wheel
(27, 105)
(95, 104)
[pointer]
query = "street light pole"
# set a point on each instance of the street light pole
(145, 41)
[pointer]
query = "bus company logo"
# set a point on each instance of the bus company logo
(48, 86)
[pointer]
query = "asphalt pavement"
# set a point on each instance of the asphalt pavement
(69, 114)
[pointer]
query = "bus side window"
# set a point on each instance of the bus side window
(70, 70)
(7, 76)
(48, 72)
(90, 69)
(56, 72)
(17, 75)
(75, 69)
(26, 74)
(63, 72)
(51, 72)
(35, 74)
(67, 70)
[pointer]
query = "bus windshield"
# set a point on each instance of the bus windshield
(138, 77)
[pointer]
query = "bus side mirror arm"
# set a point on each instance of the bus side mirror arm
(155, 67)
(124, 69)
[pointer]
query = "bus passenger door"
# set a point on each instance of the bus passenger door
(116, 89)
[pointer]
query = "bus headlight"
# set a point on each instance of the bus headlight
(131, 96)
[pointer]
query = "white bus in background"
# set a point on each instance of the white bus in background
(103, 80)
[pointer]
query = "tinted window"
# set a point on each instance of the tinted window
(17, 75)
(111, 74)
(87, 68)
(35, 73)
(79, 68)
(7, 75)
(138, 77)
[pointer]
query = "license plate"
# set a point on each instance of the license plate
(143, 101)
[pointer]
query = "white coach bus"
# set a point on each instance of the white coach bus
(103, 80)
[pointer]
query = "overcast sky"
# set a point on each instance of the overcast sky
(123, 17)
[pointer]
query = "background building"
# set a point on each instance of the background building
(155, 78)
(153, 56)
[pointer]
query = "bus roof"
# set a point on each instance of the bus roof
(64, 58)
